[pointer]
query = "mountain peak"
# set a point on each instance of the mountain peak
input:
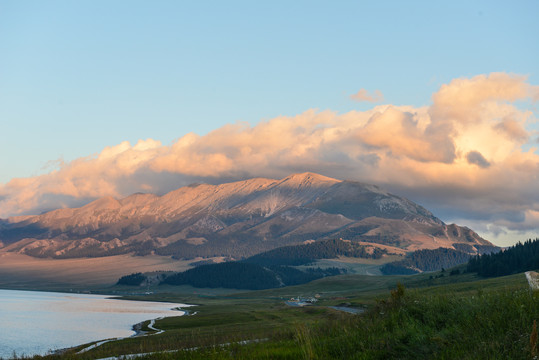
(308, 179)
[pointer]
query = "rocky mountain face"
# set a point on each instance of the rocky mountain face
(236, 220)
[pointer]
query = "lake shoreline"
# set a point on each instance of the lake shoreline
(137, 328)
(17, 303)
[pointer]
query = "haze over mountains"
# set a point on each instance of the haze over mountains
(236, 220)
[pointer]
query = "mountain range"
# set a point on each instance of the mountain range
(234, 220)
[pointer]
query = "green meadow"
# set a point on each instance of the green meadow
(427, 316)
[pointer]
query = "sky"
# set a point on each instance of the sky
(435, 101)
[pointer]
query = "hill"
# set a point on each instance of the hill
(435, 259)
(242, 275)
(283, 266)
(324, 249)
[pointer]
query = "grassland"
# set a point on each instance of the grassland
(18, 271)
(428, 317)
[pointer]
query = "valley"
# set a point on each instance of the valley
(453, 313)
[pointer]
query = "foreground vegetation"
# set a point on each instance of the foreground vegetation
(429, 316)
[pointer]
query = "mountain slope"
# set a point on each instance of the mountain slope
(236, 219)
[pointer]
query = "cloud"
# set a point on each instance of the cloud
(363, 95)
(464, 156)
(513, 129)
(475, 157)
(401, 132)
(463, 101)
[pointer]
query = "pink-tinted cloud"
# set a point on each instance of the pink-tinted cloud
(465, 100)
(513, 129)
(466, 153)
(363, 95)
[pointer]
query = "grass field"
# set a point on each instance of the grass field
(18, 271)
(427, 317)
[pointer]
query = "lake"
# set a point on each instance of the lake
(35, 322)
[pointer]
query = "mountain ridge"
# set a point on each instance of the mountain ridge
(234, 219)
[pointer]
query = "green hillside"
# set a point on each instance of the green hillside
(323, 249)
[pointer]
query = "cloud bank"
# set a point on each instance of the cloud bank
(468, 155)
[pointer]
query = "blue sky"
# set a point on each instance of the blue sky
(77, 77)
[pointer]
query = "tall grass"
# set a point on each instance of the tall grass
(413, 325)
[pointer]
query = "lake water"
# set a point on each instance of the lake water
(33, 322)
